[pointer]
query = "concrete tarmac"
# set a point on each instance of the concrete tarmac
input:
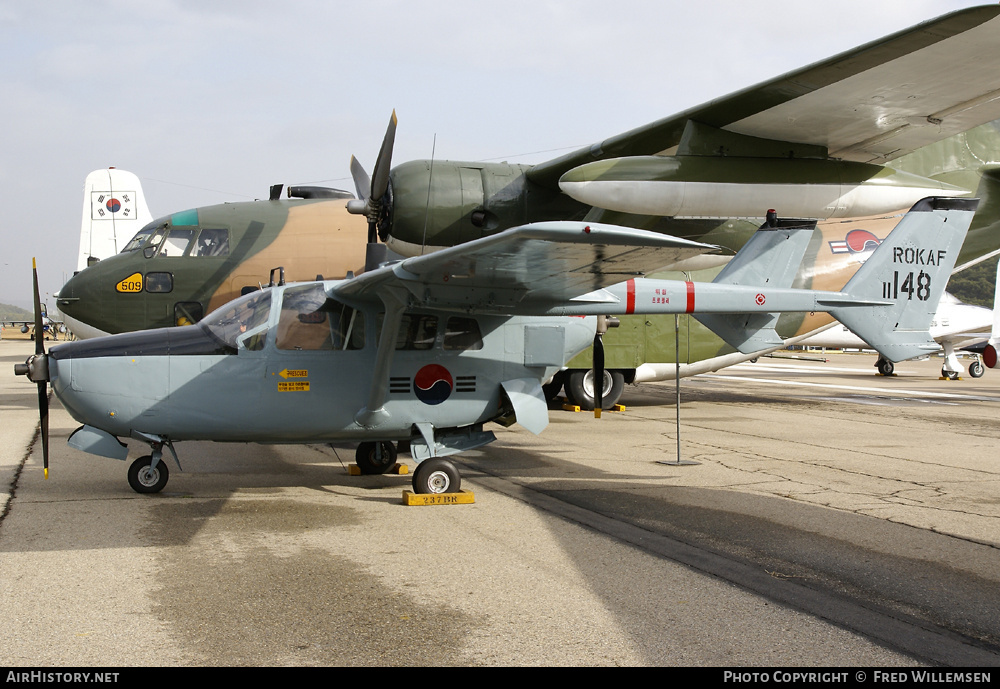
(823, 526)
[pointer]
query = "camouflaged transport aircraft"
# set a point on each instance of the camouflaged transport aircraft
(851, 141)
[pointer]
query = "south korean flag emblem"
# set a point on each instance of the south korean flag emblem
(106, 205)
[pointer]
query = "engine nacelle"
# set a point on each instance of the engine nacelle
(444, 203)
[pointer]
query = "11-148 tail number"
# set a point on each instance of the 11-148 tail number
(921, 286)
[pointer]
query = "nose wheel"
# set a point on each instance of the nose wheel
(145, 478)
(436, 475)
(375, 458)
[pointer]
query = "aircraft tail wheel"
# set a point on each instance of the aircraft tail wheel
(976, 369)
(436, 475)
(375, 458)
(885, 367)
(143, 479)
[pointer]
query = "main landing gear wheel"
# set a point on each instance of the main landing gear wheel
(885, 367)
(143, 479)
(950, 375)
(580, 388)
(436, 476)
(551, 390)
(976, 369)
(370, 462)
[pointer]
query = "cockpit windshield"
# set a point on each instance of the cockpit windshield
(230, 322)
(140, 237)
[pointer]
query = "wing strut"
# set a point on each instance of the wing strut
(374, 413)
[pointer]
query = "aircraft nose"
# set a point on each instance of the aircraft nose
(82, 310)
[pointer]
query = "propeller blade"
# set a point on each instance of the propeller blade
(371, 192)
(362, 182)
(598, 374)
(43, 418)
(380, 175)
(39, 333)
(43, 391)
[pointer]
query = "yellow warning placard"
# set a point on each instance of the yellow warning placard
(133, 283)
(297, 386)
(463, 497)
(297, 373)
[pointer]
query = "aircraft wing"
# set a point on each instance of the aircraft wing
(551, 261)
(871, 104)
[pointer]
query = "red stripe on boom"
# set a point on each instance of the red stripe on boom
(690, 302)
(630, 297)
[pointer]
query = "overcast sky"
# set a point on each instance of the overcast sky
(213, 101)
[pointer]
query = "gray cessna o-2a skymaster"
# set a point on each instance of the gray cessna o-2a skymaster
(429, 349)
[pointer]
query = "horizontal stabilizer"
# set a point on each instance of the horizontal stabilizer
(746, 332)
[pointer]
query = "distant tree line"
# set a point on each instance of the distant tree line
(9, 312)
(975, 285)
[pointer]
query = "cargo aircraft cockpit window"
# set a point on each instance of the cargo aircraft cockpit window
(139, 238)
(177, 243)
(212, 242)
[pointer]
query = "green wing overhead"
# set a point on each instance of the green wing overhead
(870, 104)
(553, 261)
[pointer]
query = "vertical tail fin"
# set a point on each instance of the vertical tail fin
(908, 273)
(114, 209)
(771, 258)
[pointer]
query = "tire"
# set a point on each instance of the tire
(436, 475)
(368, 460)
(885, 367)
(950, 375)
(551, 390)
(976, 369)
(143, 480)
(580, 388)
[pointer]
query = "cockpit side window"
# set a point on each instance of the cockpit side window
(462, 334)
(155, 240)
(417, 331)
(212, 242)
(228, 323)
(139, 238)
(309, 321)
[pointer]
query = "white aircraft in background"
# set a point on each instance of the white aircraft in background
(114, 209)
(955, 326)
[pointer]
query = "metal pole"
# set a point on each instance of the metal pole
(677, 386)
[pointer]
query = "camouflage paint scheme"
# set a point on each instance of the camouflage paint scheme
(307, 237)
